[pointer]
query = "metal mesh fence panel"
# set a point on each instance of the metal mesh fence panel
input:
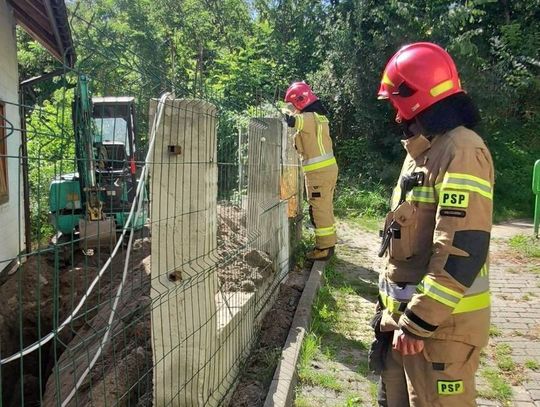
(148, 234)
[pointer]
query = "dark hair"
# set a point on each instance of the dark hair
(316, 107)
(449, 113)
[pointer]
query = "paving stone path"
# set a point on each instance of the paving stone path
(515, 286)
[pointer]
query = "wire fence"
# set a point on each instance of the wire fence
(144, 236)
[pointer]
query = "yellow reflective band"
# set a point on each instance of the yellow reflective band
(322, 164)
(430, 281)
(319, 139)
(441, 88)
(431, 293)
(325, 231)
(473, 303)
(390, 303)
(421, 194)
(465, 182)
(319, 120)
(439, 292)
(299, 123)
(469, 177)
(386, 80)
(318, 159)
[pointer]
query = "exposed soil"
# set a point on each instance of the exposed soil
(244, 271)
(125, 356)
(29, 297)
(27, 302)
(253, 385)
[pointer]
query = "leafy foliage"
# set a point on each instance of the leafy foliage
(241, 53)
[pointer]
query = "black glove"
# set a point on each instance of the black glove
(291, 121)
(380, 346)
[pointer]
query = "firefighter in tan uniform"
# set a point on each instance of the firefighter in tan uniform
(314, 145)
(434, 305)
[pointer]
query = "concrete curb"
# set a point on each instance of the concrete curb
(281, 392)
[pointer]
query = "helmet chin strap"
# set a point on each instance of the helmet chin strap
(410, 128)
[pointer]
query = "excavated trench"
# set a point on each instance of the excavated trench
(35, 299)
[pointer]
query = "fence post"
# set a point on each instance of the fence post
(184, 239)
(536, 192)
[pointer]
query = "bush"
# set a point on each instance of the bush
(354, 202)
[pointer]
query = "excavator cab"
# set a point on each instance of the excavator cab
(96, 201)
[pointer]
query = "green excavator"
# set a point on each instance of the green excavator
(93, 204)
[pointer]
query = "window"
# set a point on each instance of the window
(4, 196)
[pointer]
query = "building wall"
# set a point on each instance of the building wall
(11, 213)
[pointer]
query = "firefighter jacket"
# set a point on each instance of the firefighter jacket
(436, 280)
(312, 141)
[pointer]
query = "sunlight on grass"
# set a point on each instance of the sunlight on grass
(326, 380)
(532, 364)
(526, 245)
(499, 388)
(332, 342)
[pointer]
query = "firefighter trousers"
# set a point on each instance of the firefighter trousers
(320, 186)
(442, 375)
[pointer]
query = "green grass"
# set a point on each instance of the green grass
(502, 354)
(532, 364)
(494, 331)
(373, 390)
(326, 380)
(310, 349)
(301, 401)
(528, 246)
(353, 401)
(371, 224)
(328, 341)
(365, 207)
(499, 388)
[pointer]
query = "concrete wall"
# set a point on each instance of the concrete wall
(184, 240)
(11, 213)
(201, 335)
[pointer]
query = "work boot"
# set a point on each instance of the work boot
(320, 254)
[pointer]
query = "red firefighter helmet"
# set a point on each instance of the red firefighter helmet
(418, 76)
(300, 95)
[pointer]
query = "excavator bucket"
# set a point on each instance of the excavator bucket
(97, 233)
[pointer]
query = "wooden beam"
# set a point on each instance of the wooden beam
(46, 25)
(38, 32)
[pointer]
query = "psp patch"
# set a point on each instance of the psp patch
(450, 387)
(455, 199)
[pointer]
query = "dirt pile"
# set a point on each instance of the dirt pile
(240, 268)
(28, 300)
(29, 297)
(125, 365)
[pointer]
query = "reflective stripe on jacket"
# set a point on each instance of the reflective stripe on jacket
(313, 142)
(444, 238)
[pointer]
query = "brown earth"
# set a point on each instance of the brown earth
(259, 369)
(29, 297)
